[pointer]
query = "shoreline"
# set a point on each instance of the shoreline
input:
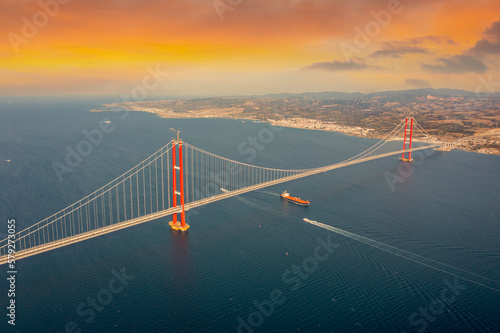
(354, 131)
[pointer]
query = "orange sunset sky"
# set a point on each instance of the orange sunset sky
(226, 47)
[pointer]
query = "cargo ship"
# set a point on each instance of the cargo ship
(298, 201)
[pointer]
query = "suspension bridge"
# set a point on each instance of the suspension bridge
(174, 179)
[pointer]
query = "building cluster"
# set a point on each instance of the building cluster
(447, 118)
(320, 125)
(481, 145)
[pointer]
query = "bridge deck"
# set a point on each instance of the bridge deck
(146, 218)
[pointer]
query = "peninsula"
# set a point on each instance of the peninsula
(444, 113)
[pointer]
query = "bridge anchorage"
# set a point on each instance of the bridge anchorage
(447, 147)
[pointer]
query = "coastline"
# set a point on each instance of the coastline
(308, 124)
(296, 122)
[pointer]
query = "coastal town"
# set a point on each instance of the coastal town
(446, 115)
(314, 124)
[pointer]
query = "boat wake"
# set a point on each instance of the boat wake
(436, 265)
(271, 193)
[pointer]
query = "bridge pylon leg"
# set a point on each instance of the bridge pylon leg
(176, 225)
(409, 159)
(404, 140)
(411, 139)
(174, 182)
(184, 226)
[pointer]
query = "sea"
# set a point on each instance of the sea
(251, 263)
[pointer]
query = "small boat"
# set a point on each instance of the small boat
(298, 201)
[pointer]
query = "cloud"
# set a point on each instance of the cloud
(336, 65)
(417, 83)
(491, 43)
(441, 39)
(456, 64)
(397, 49)
(468, 62)
(494, 30)
(393, 51)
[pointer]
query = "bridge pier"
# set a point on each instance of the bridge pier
(446, 147)
(174, 224)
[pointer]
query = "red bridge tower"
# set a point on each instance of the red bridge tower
(176, 225)
(409, 159)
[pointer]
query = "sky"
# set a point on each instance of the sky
(230, 47)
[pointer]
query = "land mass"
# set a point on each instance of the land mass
(445, 114)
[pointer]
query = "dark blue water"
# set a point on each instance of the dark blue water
(243, 252)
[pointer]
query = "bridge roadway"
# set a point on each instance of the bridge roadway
(146, 218)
